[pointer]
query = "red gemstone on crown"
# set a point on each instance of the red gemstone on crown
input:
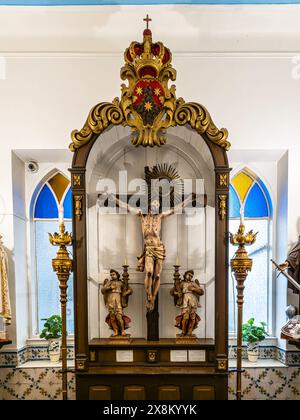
(139, 49)
(155, 49)
(166, 56)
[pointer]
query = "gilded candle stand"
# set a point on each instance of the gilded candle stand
(241, 264)
(63, 266)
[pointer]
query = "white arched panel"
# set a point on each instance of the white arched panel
(116, 237)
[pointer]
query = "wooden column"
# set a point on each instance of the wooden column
(221, 267)
(80, 268)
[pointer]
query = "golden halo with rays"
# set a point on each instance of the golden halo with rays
(159, 174)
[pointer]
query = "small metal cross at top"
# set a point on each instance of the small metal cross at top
(147, 19)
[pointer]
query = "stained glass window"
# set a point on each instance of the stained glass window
(249, 197)
(68, 204)
(235, 205)
(54, 198)
(46, 205)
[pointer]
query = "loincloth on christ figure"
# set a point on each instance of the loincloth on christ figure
(155, 252)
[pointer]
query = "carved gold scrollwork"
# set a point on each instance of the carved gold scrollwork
(199, 118)
(223, 180)
(99, 118)
(222, 206)
(78, 206)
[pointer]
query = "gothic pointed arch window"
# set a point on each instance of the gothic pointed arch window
(250, 197)
(52, 201)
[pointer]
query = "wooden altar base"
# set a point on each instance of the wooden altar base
(152, 370)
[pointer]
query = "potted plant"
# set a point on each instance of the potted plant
(253, 335)
(52, 332)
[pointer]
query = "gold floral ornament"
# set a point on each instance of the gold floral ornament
(148, 104)
(62, 238)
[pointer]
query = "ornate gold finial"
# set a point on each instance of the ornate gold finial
(241, 238)
(62, 238)
(147, 20)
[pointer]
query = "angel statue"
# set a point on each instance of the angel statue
(116, 293)
(186, 295)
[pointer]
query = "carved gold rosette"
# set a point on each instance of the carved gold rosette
(148, 104)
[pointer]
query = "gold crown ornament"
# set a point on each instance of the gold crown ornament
(148, 104)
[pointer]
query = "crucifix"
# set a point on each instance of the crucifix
(151, 216)
(153, 255)
(147, 20)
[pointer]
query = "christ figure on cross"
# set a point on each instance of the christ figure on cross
(153, 254)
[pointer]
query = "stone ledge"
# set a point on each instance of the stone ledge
(261, 363)
(41, 364)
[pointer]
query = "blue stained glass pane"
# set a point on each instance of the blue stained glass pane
(68, 205)
(234, 203)
(46, 207)
(256, 205)
(48, 288)
(265, 190)
(256, 286)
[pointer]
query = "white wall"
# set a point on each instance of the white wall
(20, 251)
(281, 245)
(59, 62)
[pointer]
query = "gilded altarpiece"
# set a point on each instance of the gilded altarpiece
(150, 128)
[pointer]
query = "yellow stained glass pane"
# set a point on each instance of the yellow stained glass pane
(59, 184)
(242, 183)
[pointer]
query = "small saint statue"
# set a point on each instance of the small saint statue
(186, 295)
(116, 293)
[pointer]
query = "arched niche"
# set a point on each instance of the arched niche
(112, 238)
(100, 156)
